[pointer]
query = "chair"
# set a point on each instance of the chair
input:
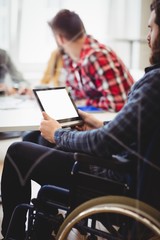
(128, 215)
(120, 217)
(123, 210)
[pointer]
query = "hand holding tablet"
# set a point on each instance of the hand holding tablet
(57, 103)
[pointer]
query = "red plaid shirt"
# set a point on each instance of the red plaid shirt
(100, 76)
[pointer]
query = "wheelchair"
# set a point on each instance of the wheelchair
(97, 207)
(101, 208)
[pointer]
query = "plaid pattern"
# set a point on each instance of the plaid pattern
(100, 76)
(130, 130)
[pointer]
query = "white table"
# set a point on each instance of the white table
(26, 116)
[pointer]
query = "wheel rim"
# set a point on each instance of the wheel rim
(113, 204)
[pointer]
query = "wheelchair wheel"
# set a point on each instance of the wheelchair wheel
(119, 217)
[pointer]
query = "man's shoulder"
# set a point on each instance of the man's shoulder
(153, 74)
(151, 79)
(93, 46)
(3, 56)
(153, 69)
(3, 52)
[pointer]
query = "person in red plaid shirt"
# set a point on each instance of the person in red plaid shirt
(94, 71)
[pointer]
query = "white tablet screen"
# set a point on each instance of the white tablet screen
(57, 103)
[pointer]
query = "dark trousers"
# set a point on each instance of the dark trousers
(24, 162)
(35, 137)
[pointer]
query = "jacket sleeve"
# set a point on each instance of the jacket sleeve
(132, 126)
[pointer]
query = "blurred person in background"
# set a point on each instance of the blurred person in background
(94, 71)
(11, 80)
(54, 74)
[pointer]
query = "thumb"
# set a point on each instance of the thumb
(83, 114)
(45, 116)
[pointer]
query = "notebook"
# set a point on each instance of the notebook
(10, 102)
(58, 104)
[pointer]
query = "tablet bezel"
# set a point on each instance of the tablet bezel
(64, 122)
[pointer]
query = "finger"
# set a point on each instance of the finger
(45, 116)
(82, 113)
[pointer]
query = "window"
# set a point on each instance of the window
(4, 24)
(36, 40)
(25, 33)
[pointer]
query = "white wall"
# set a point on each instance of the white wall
(121, 24)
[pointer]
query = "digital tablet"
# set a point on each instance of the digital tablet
(58, 104)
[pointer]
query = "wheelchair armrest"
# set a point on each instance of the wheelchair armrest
(111, 163)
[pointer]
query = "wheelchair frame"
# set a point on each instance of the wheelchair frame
(105, 196)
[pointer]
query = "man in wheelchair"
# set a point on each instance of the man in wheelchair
(127, 137)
